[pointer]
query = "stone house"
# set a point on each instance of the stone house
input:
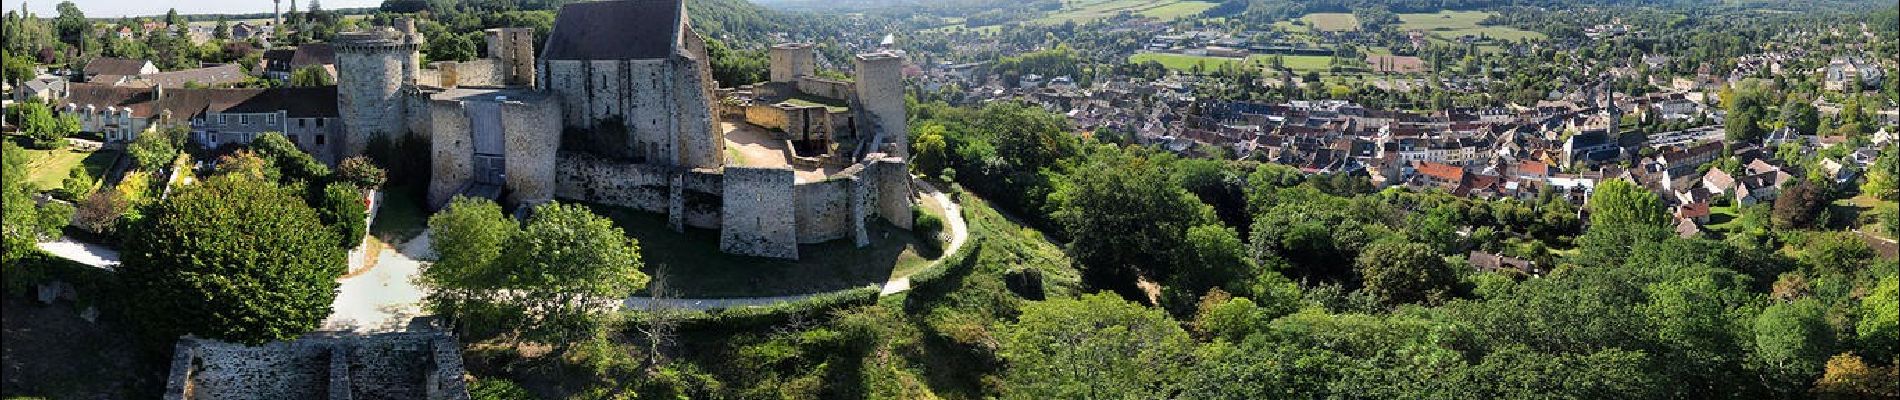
(216, 117)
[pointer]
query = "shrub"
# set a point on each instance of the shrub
(927, 227)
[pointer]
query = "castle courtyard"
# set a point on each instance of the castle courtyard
(749, 145)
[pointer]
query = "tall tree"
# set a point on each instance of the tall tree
(1402, 273)
(1095, 347)
(233, 259)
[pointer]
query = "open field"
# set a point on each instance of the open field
(1186, 62)
(1332, 21)
(1084, 11)
(697, 268)
(1447, 26)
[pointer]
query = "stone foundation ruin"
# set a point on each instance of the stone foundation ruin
(393, 366)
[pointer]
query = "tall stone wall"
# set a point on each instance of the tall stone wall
(892, 177)
(481, 72)
(824, 210)
(513, 49)
(759, 214)
(369, 91)
(377, 367)
(790, 61)
(453, 151)
(880, 91)
(585, 177)
(826, 88)
(416, 114)
(701, 143)
(532, 136)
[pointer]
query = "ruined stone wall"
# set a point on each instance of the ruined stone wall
(480, 72)
(760, 217)
(294, 370)
(892, 178)
(513, 49)
(656, 99)
(416, 114)
(702, 188)
(827, 88)
(377, 367)
(880, 94)
(532, 130)
(790, 61)
(701, 143)
(453, 151)
(588, 178)
(824, 210)
(768, 116)
(369, 92)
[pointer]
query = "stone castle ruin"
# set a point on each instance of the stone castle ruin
(406, 366)
(620, 108)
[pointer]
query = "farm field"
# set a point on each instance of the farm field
(1187, 62)
(1332, 21)
(1447, 26)
(1093, 10)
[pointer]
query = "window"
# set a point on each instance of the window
(319, 122)
(319, 139)
(300, 122)
(270, 119)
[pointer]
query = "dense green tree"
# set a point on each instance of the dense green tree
(293, 163)
(1213, 257)
(1621, 215)
(1095, 347)
(362, 172)
(152, 151)
(1402, 273)
(42, 128)
(451, 47)
(341, 208)
(233, 259)
(311, 76)
(1800, 205)
(1879, 325)
(539, 280)
(1799, 114)
(23, 224)
(1794, 341)
(1125, 219)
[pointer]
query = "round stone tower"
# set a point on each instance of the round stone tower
(373, 67)
(789, 61)
(880, 87)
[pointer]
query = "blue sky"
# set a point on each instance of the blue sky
(133, 8)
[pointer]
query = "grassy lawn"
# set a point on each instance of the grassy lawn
(402, 216)
(1447, 26)
(1332, 21)
(1724, 219)
(699, 270)
(815, 101)
(1186, 62)
(47, 169)
(1848, 214)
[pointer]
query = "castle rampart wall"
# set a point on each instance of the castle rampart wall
(759, 217)
(532, 132)
(824, 210)
(454, 150)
